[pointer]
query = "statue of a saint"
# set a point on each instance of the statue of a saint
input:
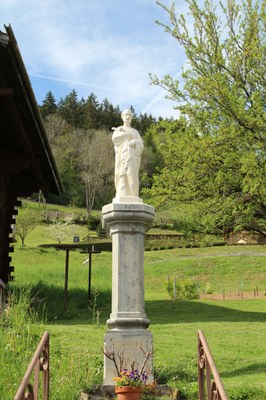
(128, 148)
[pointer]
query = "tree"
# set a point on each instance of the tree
(152, 157)
(49, 105)
(110, 116)
(27, 219)
(62, 229)
(91, 113)
(71, 109)
(143, 122)
(65, 141)
(96, 162)
(219, 162)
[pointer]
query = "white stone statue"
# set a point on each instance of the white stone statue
(128, 149)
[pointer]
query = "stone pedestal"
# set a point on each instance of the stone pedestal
(127, 336)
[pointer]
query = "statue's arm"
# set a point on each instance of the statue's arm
(137, 144)
(120, 135)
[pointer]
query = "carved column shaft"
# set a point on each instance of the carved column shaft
(127, 223)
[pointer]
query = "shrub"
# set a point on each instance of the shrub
(93, 222)
(209, 288)
(190, 291)
(101, 233)
(182, 289)
(169, 286)
(176, 225)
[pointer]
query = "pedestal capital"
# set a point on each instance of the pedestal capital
(127, 213)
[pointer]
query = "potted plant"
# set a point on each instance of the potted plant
(129, 384)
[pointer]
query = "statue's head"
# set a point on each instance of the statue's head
(127, 115)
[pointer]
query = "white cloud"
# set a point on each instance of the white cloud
(106, 47)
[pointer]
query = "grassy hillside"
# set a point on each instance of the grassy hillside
(235, 328)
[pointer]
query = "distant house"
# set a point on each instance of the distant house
(26, 161)
(245, 238)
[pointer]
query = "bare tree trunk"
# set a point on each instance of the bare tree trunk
(87, 201)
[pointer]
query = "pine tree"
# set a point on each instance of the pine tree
(49, 105)
(91, 112)
(110, 116)
(70, 109)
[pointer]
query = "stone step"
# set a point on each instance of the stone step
(106, 392)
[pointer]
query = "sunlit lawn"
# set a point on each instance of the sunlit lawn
(235, 330)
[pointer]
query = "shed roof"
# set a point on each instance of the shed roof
(25, 153)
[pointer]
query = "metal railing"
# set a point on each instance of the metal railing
(210, 384)
(39, 363)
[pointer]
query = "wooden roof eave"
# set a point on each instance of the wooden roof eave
(32, 107)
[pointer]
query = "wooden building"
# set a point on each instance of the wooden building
(244, 237)
(26, 161)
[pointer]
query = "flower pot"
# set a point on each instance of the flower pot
(128, 392)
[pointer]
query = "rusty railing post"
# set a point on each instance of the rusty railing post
(39, 363)
(206, 370)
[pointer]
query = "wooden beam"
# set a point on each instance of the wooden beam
(14, 162)
(23, 185)
(6, 92)
(24, 138)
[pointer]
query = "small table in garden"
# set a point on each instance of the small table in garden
(85, 249)
(92, 251)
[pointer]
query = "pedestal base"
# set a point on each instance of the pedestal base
(128, 346)
(124, 323)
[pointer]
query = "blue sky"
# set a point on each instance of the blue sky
(107, 47)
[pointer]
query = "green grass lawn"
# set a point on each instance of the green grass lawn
(228, 268)
(235, 330)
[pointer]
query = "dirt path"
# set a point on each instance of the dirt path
(237, 254)
(234, 296)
